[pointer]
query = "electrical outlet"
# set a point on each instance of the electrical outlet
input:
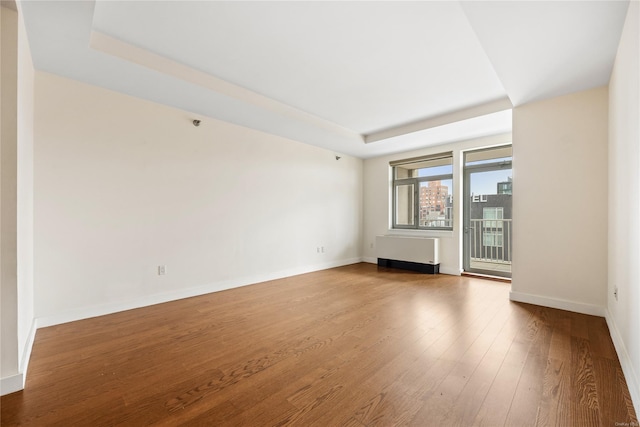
(615, 292)
(162, 270)
(322, 249)
(371, 245)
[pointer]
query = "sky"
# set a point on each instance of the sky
(487, 182)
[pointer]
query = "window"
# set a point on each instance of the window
(505, 187)
(423, 193)
(492, 239)
(492, 230)
(493, 213)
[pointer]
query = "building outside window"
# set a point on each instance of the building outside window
(491, 218)
(492, 233)
(505, 187)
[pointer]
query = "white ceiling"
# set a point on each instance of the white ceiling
(360, 78)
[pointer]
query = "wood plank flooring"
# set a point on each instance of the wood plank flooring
(351, 346)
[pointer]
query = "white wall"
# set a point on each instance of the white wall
(17, 201)
(377, 196)
(560, 202)
(124, 185)
(8, 193)
(25, 114)
(624, 202)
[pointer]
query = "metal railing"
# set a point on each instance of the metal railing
(490, 240)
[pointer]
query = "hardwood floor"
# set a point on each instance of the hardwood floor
(351, 346)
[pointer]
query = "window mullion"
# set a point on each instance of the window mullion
(433, 178)
(416, 205)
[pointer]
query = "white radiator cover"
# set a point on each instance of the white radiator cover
(423, 250)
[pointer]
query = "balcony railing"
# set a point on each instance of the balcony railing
(490, 242)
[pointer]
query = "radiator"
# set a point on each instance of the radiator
(413, 253)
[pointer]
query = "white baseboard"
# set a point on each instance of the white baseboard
(450, 271)
(370, 260)
(101, 310)
(577, 307)
(28, 346)
(630, 374)
(11, 384)
(16, 382)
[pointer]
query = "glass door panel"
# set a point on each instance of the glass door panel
(488, 220)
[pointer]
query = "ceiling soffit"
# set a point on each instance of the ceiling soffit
(360, 78)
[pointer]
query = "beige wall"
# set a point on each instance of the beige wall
(123, 186)
(560, 201)
(624, 202)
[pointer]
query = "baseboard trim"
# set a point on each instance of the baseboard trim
(16, 382)
(28, 346)
(370, 260)
(450, 271)
(629, 372)
(102, 310)
(11, 384)
(576, 307)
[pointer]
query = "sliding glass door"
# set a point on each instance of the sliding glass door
(488, 220)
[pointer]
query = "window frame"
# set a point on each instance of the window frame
(416, 181)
